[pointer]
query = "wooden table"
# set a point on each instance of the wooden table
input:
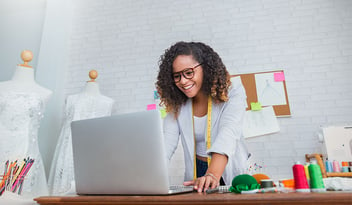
(201, 198)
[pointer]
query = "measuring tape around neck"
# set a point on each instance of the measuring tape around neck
(208, 141)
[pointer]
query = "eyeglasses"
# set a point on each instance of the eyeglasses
(188, 73)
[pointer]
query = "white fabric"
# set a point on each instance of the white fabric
(9, 198)
(20, 116)
(22, 104)
(23, 82)
(338, 183)
(78, 107)
(200, 126)
(226, 134)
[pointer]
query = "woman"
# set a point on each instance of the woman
(206, 111)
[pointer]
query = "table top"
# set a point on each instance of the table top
(201, 198)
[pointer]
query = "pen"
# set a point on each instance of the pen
(209, 191)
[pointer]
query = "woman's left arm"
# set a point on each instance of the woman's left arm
(230, 123)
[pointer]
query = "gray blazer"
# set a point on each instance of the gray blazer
(226, 133)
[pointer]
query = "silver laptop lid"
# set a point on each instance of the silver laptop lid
(120, 154)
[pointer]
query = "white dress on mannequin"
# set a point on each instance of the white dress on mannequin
(85, 105)
(22, 104)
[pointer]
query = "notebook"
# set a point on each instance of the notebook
(121, 154)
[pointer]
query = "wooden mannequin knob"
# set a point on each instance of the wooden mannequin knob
(93, 74)
(26, 56)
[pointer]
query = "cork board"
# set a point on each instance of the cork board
(268, 88)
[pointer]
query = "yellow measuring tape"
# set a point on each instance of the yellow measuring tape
(208, 136)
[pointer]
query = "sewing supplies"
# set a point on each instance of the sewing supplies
(259, 177)
(301, 184)
(336, 166)
(328, 166)
(344, 167)
(266, 183)
(244, 184)
(209, 191)
(316, 178)
(306, 171)
(14, 175)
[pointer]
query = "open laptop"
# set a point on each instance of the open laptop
(121, 154)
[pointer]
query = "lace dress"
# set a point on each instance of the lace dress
(78, 107)
(20, 116)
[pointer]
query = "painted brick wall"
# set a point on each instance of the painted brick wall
(309, 40)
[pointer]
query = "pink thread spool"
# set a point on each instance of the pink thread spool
(336, 166)
(299, 175)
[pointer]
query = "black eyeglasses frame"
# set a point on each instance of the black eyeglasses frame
(182, 73)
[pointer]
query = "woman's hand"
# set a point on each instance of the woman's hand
(204, 183)
(212, 177)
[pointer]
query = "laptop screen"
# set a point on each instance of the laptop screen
(120, 154)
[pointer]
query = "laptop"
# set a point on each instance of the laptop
(121, 155)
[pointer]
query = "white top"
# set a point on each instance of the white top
(200, 125)
(226, 134)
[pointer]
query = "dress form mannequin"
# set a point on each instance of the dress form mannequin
(89, 103)
(23, 79)
(22, 103)
(92, 87)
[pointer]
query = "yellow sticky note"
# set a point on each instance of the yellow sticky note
(163, 113)
(255, 106)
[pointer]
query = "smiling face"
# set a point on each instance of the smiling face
(190, 87)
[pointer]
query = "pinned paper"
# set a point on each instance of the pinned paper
(256, 106)
(151, 107)
(278, 77)
(269, 91)
(260, 122)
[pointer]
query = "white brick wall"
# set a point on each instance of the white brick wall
(309, 40)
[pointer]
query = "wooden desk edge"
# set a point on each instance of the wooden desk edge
(217, 198)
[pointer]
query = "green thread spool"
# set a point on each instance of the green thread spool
(316, 178)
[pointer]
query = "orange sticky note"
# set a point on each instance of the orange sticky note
(279, 76)
(151, 107)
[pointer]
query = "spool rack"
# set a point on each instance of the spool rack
(319, 158)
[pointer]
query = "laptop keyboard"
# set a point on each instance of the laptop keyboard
(222, 189)
(180, 188)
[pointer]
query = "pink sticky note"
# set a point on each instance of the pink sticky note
(151, 107)
(279, 76)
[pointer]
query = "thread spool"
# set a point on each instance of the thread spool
(299, 176)
(344, 166)
(328, 166)
(288, 183)
(306, 172)
(266, 183)
(316, 178)
(345, 169)
(336, 166)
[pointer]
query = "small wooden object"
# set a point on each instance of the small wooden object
(93, 74)
(26, 56)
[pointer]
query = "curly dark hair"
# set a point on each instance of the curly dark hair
(216, 79)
